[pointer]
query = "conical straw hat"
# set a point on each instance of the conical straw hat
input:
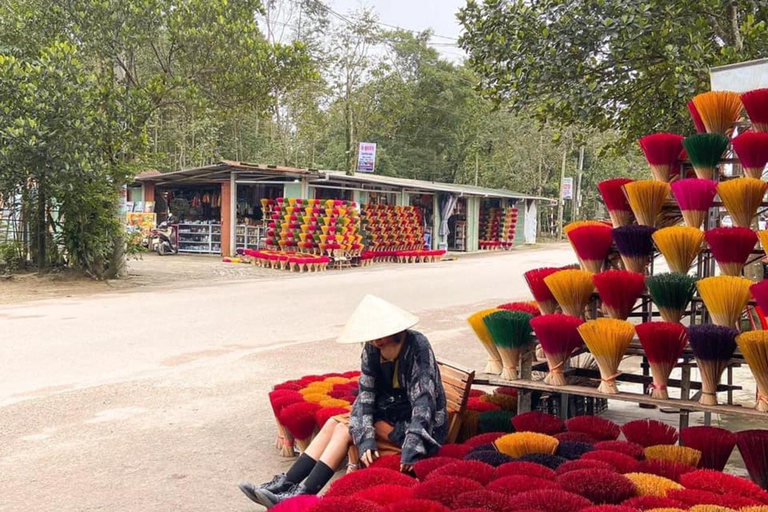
(375, 318)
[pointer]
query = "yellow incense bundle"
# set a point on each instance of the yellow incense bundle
(572, 289)
(742, 197)
(652, 485)
(647, 198)
(725, 298)
(680, 454)
(477, 322)
(754, 348)
(608, 340)
(680, 245)
(524, 443)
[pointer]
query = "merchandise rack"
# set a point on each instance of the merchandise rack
(199, 238)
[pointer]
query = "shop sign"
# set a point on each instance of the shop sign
(366, 157)
(566, 191)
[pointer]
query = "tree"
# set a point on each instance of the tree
(625, 65)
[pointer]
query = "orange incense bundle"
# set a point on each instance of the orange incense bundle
(540, 290)
(752, 150)
(731, 247)
(663, 343)
(559, 338)
(756, 104)
(718, 110)
(616, 201)
(697, 122)
(662, 150)
(591, 244)
(695, 198)
(619, 291)
(742, 197)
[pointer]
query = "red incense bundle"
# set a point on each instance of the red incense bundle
(760, 294)
(649, 432)
(616, 201)
(756, 104)
(540, 290)
(591, 244)
(697, 122)
(526, 307)
(731, 247)
(752, 150)
(662, 150)
(695, 198)
(559, 338)
(753, 446)
(663, 343)
(714, 443)
(619, 291)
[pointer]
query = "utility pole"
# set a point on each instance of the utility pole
(477, 167)
(577, 197)
(561, 204)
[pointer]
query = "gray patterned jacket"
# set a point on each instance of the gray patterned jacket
(420, 377)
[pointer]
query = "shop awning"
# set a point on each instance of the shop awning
(223, 170)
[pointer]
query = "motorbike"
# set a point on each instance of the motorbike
(163, 238)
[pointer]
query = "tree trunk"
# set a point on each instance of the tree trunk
(733, 17)
(41, 238)
(348, 128)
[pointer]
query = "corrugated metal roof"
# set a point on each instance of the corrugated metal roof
(220, 171)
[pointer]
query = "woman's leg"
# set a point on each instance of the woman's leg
(337, 448)
(321, 440)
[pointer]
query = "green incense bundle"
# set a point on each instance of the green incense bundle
(705, 151)
(510, 331)
(671, 292)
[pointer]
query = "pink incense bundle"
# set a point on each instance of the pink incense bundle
(619, 291)
(616, 201)
(756, 104)
(540, 290)
(559, 338)
(662, 150)
(663, 343)
(752, 150)
(591, 244)
(697, 121)
(760, 294)
(731, 247)
(695, 198)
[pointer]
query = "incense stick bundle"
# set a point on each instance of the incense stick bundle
(705, 150)
(559, 338)
(591, 245)
(754, 348)
(477, 322)
(608, 340)
(725, 298)
(681, 454)
(540, 290)
(753, 447)
(616, 201)
(663, 343)
(715, 444)
(752, 150)
(680, 245)
(718, 110)
(582, 223)
(619, 291)
(511, 332)
(760, 293)
(756, 104)
(646, 198)
(697, 122)
(635, 245)
(695, 198)
(742, 197)
(713, 347)
(731, 247)
(662, 150)
(572, 289)
(671, 293)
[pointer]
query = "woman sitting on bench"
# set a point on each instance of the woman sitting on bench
(401, 406)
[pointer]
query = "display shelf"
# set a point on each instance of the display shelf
(199, 238)
(248, 237)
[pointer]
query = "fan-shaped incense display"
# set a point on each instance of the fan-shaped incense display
(697, 122)
(619, 291)
(511, 332)
(477, 322)
(591, 244)
(680, 245)
(713, 347)
(714, 443)
(663, 343)
(681, 454)
(608, 340)
(559, 338)
(649, 433)
(752, 150)
(742, 197)
(583, 223)
(671, 293)
(524, 443)
(731, 247)
(635, 245)
(754, 348)
(718, 110)
(725, 298)
(705, 150)
(662, 150)
(756, 104)
(646, 198)
(695, 197)
(526, 307)
(572, 289)
(753, 447)
(540, 290)
(616, 201)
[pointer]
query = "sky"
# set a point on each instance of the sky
(439, 15)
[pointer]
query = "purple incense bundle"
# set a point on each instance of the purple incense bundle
(635, 245)
(713, 346)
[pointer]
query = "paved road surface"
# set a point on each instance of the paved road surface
(156, 400)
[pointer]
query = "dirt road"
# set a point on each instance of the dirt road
(155, 400)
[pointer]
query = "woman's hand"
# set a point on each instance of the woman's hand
(369, 456)
(406, 468)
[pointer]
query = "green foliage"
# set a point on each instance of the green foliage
(623, 65)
